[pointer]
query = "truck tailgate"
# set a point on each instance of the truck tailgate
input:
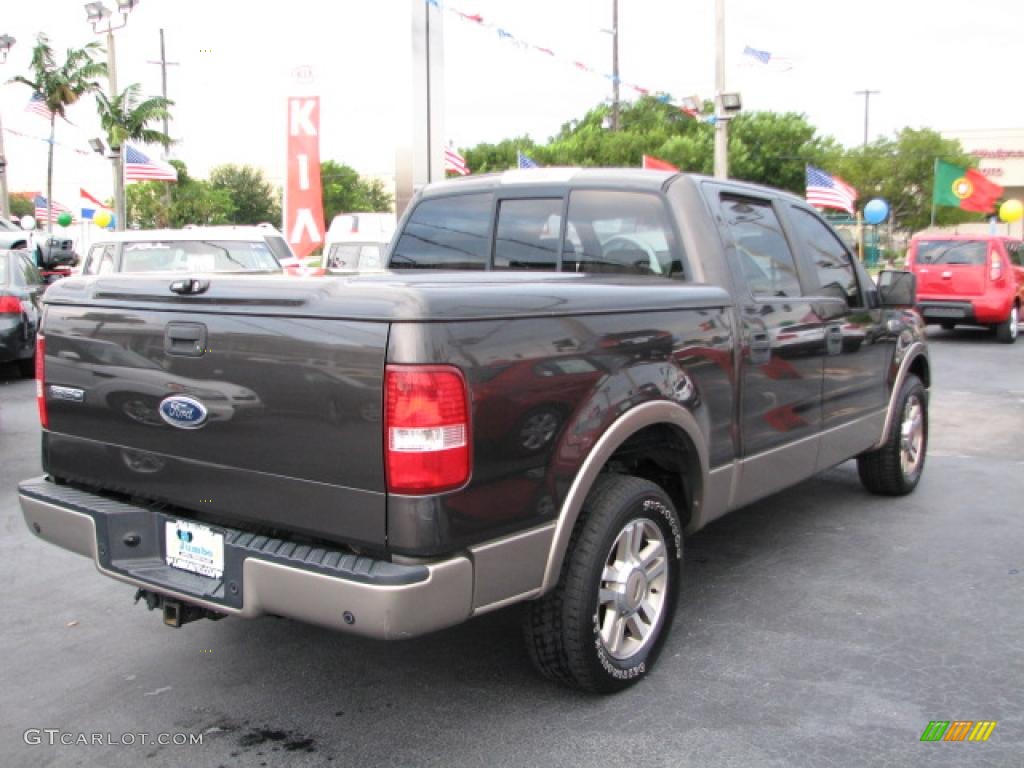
(238, 416)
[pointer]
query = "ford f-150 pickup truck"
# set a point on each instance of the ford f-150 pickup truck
(562, 374)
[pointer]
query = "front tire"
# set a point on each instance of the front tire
(1006, 331)
(896, 467)
(602, 627)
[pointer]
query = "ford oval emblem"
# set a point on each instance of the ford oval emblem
(183, 412)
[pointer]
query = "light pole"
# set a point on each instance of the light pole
(102, 21)
(726, 104)
(867, 100)
(615, 65)
(6, 43)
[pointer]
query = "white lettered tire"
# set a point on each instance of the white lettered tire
(602, 627)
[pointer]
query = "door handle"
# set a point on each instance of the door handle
(185, 339)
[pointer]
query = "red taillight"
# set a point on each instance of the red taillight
(44, 419)
(995, 271)
(426, 429)
(10, 305)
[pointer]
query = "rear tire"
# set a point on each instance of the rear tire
(1006, 331)
(896, 467)
(602, 627)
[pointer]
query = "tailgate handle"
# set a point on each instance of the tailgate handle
(185, 339)
(189, 286)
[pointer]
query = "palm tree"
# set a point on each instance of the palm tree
(60, 86)
(125, 118)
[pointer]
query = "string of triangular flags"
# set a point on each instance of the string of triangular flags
(690, 106)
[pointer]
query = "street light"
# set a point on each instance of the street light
(6, 43)
(102, 20)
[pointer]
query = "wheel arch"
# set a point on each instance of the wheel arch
(915, 361)
(638, 438)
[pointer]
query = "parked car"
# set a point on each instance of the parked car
(563, 373)
(21, 289)
(357, 242)
(969, 279)
(192, 249)
(51, 252)
(12, 236)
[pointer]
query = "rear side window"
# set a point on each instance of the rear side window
(354, 256)
(446, 233)
(527, 234)
(620, 232)
(952, 252)
(31, 275)
(831, 259)
(765, 259)
(97, 254)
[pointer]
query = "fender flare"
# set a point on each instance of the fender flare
(644, 415)
(915, 351)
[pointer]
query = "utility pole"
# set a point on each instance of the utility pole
(615, 65)
(867, 99)
(721, 119)
(164, 64)
(6, 43)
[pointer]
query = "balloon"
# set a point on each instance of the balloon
(102, 218)
(1011, 211)
(27, 222)
(64, 219)
(876, 211)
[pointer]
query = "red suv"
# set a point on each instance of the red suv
(972, 279)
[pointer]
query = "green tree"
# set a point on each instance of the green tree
(902, 171)
(773, 149)
(125, 118)
(344, 191)
(60, 85)
(253, 198)
(191, 201)
(21, 206)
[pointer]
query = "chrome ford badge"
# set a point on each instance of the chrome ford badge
(183, 412)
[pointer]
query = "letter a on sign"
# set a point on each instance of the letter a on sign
(304, 212)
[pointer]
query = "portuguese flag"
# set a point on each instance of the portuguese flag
(965, 188)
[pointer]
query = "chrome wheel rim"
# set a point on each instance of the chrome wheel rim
(538, 430)
(634, 583)
(911, 436)
(1014, 319)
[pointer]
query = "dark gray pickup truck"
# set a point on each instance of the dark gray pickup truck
(562, 374)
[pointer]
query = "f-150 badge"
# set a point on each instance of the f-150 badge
(183, 412)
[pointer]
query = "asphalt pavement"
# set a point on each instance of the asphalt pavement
(820, 627)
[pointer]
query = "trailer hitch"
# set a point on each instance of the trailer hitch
(175, 612)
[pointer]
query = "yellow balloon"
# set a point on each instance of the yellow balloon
(1011, 211)
(102, 218)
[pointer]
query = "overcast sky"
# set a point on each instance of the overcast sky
(937, 63)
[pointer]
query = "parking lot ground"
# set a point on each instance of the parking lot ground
(820, 627)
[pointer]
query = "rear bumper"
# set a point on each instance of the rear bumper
(982, 310)
(262, 575)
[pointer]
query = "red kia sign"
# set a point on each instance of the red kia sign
(303, 199)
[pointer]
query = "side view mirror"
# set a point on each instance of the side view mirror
(897, 289)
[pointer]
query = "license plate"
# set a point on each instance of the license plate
(943, 312)
(196, 548)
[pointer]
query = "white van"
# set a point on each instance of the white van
(357, 242)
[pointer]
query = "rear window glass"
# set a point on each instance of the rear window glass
(528, 233)
(279, 247)
(197, 256)
(446, 233)
(354, 256)
(951, 251)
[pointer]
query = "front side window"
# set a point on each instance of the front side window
(528, 233)
(765, 260)
(30, 273)
(446, 233)
(831, 259)
(620, 232)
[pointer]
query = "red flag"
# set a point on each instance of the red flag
(303, 201)
(654, 164)
(985, 194)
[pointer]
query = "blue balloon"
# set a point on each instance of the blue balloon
(876, 211)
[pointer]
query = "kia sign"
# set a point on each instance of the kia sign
(303, 201)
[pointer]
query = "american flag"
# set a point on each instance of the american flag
(826, 191)
(37, 106)
(453, 161)
(42, 214)
(525, 161)
(763, 56)
(139, 167)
